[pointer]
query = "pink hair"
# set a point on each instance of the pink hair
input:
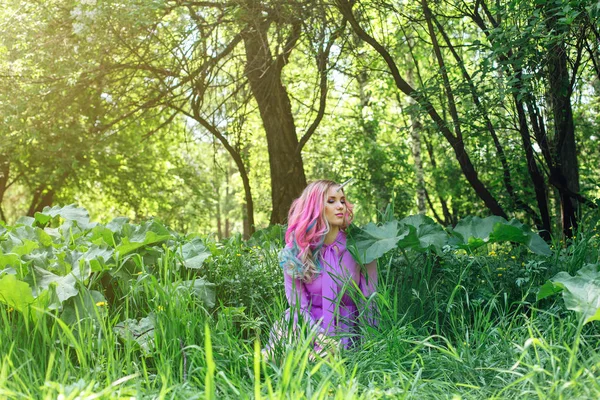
(307, 225)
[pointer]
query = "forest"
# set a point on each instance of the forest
(150, 151)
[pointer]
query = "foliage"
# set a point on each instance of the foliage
(581, 292)
(448, 325)
(59, 260)
(420, 233)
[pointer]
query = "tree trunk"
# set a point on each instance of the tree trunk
(415, 135)
(448, 217)
(42, 197)
(4, 174)
(536, 176)
(264, 74)
(564, 133)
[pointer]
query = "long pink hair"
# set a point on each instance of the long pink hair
(307, 225)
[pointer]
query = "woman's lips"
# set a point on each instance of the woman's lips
(339, 215)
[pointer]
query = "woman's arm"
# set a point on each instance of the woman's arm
(297, 296)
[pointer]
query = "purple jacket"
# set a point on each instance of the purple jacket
(324, 302)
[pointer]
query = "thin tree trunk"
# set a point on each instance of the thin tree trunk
(415, 134)
(448, 216)
(506, 175)
(564, 128)
(4, 175)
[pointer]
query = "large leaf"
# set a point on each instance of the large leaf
(581, 292)
(374, 241)
(69, 213)
(63, 286)
(146, 234)
(515, 231)
(117, 224)
(90, 304)
(204, 290)
(508, 232)
(10, 260)
(537, 245)
(96, 257)
(15, 293)
(193, 253)
(432, 237)
(426, 235)
(475, 231)
(140, 332)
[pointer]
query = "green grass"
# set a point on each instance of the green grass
(447, 330)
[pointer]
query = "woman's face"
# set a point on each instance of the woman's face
(335, 207)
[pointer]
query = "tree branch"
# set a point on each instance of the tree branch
(322, 59)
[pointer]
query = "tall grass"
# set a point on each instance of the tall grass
(437, 338)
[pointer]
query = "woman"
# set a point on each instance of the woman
(319, 271)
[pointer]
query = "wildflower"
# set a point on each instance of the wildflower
(160, 308)
(499, 275)
(513, 257)
(11, 309)
(493, 253)
(238, 254)
(101, 304)
(139, 273)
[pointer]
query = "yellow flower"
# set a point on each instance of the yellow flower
(160, 308)
(499, 275)
(139, 273)
(513, 257)
(493, 253)
(101, 304)
(238, 254)
(11, 309)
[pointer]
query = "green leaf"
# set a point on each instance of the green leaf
(64, 286)
(15, 293)
(25, 248)
(374, 241)
(116, 225)
(11, 260)
(69, 213)
(426, 235)
(548, 289)
(145, 234)
(417, 220)
(140, 332)
(194, 253)
(25, 221)
(537, 245)
(204, 290)
(475, 231)
(432, 237)
(97, 257)
(90, 304)
(581, 293)
(507, 232)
